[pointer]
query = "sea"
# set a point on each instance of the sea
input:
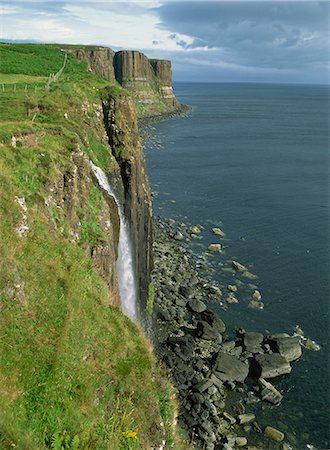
(253, 159)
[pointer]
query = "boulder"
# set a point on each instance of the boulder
(229, 418)
(245, 418)
(269, 393)
(178, 236)
(231, 299)
(311, 345)
(218, 232)
(214, 320)
(238, 266)
(241, 441)
(289, 347)
(194, 230)
(274, 434)
(269, 365)
(208, 332)
(196, 305)
(232, 287)
(256, 295)
(252, 342)
(228, 368)
(215, 247)
(186, 291)
(255, 304)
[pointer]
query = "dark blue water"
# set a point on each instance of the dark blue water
(254, 160)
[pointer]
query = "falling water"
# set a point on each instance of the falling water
(125, 268)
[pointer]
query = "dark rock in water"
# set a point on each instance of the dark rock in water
(197, 305)
(246, 418)
(289, 347)
(252, 342)
(269, 366)
(269, 393)
(274, 434)
(228, 368)
(238, 266)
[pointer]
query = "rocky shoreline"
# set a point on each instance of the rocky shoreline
(217, 379)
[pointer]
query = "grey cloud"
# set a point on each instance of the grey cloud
(287, 36)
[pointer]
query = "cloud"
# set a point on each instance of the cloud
(211, 40)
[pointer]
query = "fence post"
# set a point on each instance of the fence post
(15, 87)
(25, 88)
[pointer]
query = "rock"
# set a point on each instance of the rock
(298, 330)
(231, 299)
(255, 304)
(274, 434)
(214, 320)
(269, 393)
(289, 347)
(245, 418)
(228, 368)
(232, 288)
(194, 230)
(229, 418)
(186, 291)
(214, 290)
(269, 365)
(208, 332)
(227, 346)
(249, 275)
(218, 232)
(241, 441)
(238, 266)
(178, 236)
(252, 342)
(197, 305)
(214, 247)
(310, 345)
(256, 295)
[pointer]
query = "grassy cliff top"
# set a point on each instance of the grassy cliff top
(74, 372)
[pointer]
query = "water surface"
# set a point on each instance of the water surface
(253, 159)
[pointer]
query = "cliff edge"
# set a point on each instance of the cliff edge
(148, 81)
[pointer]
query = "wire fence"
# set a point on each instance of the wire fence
(33, 87)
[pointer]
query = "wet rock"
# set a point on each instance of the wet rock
(218, 232)
(289, 347)
(178, 236)
(241, 441)
(215, 247)
(228, 368)
(197, 305)
(214, 320)
(228, 346)
(298, 330)
(249, 275)
(270, 365)
(231, 299)
(256, 295)
(194, 230)
(208, 332)
(269, 393)
(252, 342)
(245, 418)
(238, 266)
(310, 345)
(274, 434)
(214, 290)
(229, 418)
(255, 304)
(232, 288)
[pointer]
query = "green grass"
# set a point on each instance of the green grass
(10, 78)
(74, 372)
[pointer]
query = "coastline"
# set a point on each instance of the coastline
(218, 374)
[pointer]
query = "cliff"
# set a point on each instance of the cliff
(75, 372)
(149, 81)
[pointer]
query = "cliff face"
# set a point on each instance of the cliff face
(121, 125)
(100, 61)
(149, 81)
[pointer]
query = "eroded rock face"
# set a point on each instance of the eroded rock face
(122, 130)
(270, 366)
(99, 60)
(131, 66)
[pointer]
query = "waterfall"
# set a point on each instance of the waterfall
(125, 266)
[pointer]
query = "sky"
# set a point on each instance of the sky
(215, 41)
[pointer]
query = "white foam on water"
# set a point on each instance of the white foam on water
(125, 266)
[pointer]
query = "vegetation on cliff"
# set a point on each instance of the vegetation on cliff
(74, 372)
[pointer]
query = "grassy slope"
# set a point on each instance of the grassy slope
(74, 372)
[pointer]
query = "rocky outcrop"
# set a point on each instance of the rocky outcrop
(149, 81)
(99, 60)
